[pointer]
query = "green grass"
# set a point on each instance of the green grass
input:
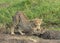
(48, 10)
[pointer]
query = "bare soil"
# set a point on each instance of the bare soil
(7, 38)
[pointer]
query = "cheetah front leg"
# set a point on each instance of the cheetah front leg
(12, 31)
(21, 32)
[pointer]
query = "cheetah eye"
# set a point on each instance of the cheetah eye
(37, 29)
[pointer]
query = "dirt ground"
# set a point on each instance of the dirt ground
(6, 38)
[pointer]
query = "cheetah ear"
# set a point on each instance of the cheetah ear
(41, 19)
